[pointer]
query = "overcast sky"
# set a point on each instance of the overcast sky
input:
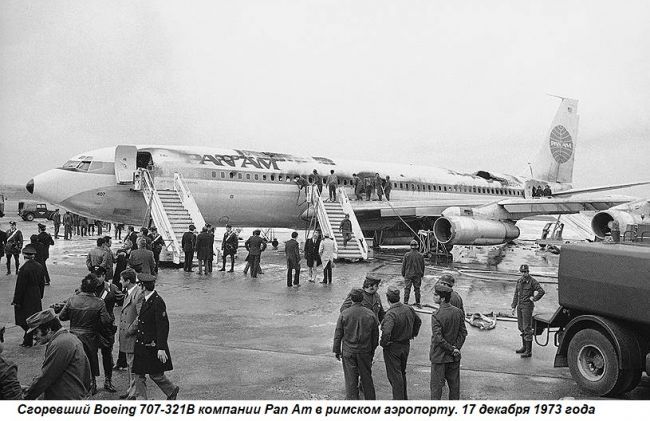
(458, 84)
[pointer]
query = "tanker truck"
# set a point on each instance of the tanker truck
(602, 326)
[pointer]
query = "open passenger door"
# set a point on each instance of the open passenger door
(125, 163)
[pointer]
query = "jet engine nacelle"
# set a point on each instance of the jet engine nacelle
(468, 231)
(600, 221)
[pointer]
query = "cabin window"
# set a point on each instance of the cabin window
(395, 185)
(239, 176)
(280, 177)
(223, 174)
(257, 176)
(288, 179)
(401, 186)
(232, 175)
(248, 176)
(264, 177)
(272, 177)
(214, 174)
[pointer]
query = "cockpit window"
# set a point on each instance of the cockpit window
(77, 165)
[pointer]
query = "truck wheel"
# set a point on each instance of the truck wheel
(29, 217)
(593, 363)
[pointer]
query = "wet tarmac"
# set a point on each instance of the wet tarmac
(234, 337)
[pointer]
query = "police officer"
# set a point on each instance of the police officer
(355, 340)
(151, 352)
(400, 325)
(524, 301)
(448, 336)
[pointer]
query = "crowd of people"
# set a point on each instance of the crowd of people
(127, 278)
(368, 186)
(77, 225)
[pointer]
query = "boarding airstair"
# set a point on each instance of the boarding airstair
(330, 215)
(171, 210)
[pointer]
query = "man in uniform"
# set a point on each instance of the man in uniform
(447, 338)
(292, 251)
(524, 302)
(66, 371)
(413, 271)
(56, 218)
(355, 339)
(151, 352)
(67, 226)
(188, 242)
(229, 246)
(47, 241)
(14, 246)
(28, 294)
(455, 299)
(370, 298)
(400, 325)
(157, 245)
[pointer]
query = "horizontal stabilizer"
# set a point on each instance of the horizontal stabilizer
(598, 189)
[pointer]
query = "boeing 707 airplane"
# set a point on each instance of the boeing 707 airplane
(250, 188)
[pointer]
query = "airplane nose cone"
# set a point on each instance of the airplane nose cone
(30, 186)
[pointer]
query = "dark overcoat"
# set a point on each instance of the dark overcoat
(204, 246)
(151, 336)
(29, 291)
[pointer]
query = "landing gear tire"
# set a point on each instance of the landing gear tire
(593, 363)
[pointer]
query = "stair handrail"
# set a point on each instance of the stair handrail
(356, 228)
(154, 203)
(188, 201)
(324, 221)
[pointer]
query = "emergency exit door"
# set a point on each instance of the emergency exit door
(125, 163)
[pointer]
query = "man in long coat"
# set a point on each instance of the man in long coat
(129, 324)
(47, 241)
(229, 247)
(292, 250)
(255, 246)
(188, 242)
(203, 249)
(151, 350)
(142, 260)
(30, 286)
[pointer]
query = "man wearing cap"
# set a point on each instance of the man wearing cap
(229, 246)
(524, 302)
(370, 297)
(13, 246)
(448, 336)
(66, 371)
(204, 244)
(9, 385)
(129, 324)
(455, 299)
(47, 241)
(400, 325)
(413, 271)
(151, 350)
(188, 242)
(88, 317)
(30, 286)
(355, 339)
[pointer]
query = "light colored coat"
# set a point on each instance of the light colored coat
(327, 250)
(128, 319)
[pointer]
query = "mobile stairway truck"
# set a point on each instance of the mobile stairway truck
(602, 327)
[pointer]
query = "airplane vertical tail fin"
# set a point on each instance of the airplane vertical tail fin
(554, 163)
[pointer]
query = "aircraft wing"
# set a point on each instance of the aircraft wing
(518, 208)
(523, 208)
(599, 189)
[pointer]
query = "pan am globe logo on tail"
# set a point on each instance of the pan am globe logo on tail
(561, 144)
